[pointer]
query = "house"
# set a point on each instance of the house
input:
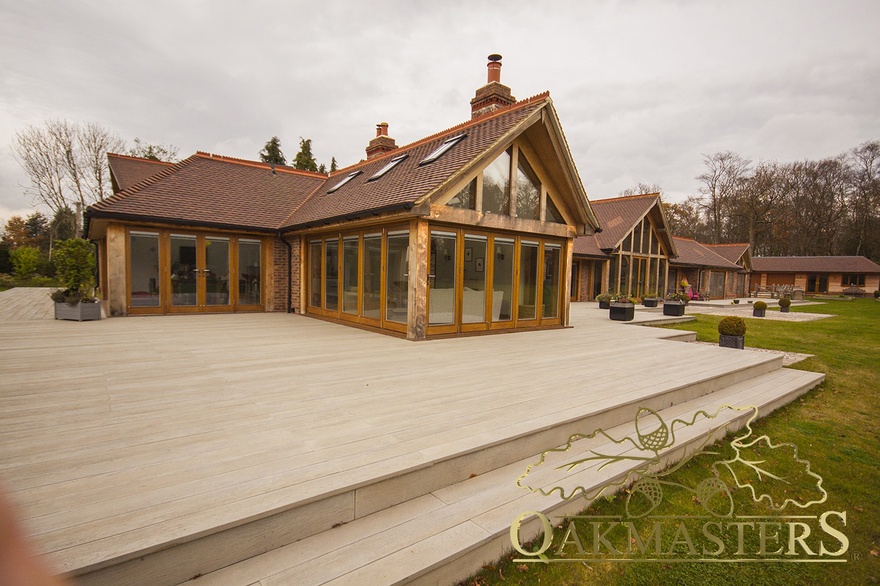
(631, 253)
(710, 269)
(816, 274)
(470, 229)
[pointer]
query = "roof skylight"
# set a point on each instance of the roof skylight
(348, 178)
(447, 144)
(390, 165)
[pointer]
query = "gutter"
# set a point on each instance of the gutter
(405, 206)
(91, 213)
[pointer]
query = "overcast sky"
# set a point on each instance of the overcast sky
(643, 89)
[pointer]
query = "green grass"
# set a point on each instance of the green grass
(834, 426)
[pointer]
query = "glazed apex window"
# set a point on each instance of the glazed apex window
(509, 186)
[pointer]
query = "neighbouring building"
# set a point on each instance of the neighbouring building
(470, 229)
(816, 274)
(705, 271)
(631, 253)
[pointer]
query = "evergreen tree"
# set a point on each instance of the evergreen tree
(322, 168)
(271, 153)
(305, 160)
(154, 152)
(333, 165)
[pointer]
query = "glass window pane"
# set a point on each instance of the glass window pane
(646, 234)
(473, 303)
(496, 185)
(249, 272)
(550, 302)
(623, 286)
(612, 274)
(502, 280)
(144, 259)
(661, 285)
(331, 275)
(371, 297)
(216, 271)
(637, 237)
(553, 213)
(184, 272)
(350, 274)
(466, 198)
(655, 245)
(441, 279)
(652, 276)
(627, 244)
(528, 191)
(315, 273)
(397, 275)
(528, 280)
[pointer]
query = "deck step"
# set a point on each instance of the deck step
(343, 497)
(448, 534)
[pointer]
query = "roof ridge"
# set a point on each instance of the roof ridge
(729, 244)
(467, 123)
(141, 159)
(174, 168)
(619, 197)
(259, 164)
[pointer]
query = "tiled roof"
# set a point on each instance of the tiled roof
(814, 264)
(618, 215)
(587, 246)
(731, 252)
(128, 171)
(409, 182)
(692, 253)
(211, 190)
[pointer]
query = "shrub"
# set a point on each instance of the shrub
(759, 305)
(622, 299)
(75, 264)
(877, 294)
(784, 302)
(603, 297)
(26, 260)
(676, 296)
(732, 326)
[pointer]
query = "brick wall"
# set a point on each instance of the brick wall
(281, 272)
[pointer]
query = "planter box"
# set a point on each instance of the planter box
(604, 305)
(650, 302)
(672, 308)
(758, 312)
(78, 312)
(622, 311)
(731, 341)
(784, 309)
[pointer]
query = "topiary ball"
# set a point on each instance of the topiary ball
(760, 305)
(732, 326)
(784, 302)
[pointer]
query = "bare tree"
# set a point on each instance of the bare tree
(641, 189)
(723, 176)
(864, 202)
(755, 206)
(66, 163)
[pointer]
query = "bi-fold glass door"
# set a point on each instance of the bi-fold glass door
(172, 272)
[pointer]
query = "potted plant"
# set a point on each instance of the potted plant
(784, 305)
(877, 294)
(622, 309)
(674, 304)
(75, 268)
(604, 300)
(651, 299)
(732, 332)
(759, 309)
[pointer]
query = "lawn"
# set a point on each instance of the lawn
(834, 426)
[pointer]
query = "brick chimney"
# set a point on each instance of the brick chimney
(494, 94)
(382, 143)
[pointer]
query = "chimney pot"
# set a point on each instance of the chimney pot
(382, 129)
(494, 66)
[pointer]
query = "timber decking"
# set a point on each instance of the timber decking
(121, 437)
(26, 304)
